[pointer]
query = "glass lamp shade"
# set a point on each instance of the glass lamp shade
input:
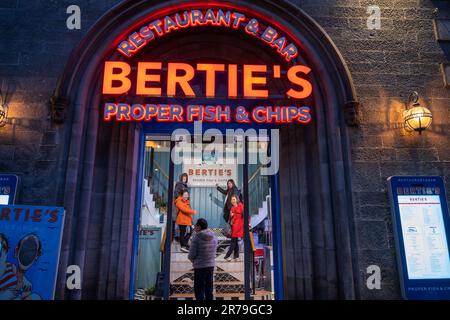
(417, 118)
(3, 115)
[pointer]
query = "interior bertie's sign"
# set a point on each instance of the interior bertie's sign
(422, 230)
(208, 175)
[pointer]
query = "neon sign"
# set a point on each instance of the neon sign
(205, 113)
(157, 79)
(211, 17)
(117, 79)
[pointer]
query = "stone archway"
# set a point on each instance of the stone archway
(99, 166)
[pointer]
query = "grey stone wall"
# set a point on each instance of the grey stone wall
(386, 66)
(34, 47)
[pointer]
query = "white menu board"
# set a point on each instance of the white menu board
(425, 241)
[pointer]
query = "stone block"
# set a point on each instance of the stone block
(366, 177)
(372, 235)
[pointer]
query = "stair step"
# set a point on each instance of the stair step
(218, 277)
(219, 289)
(216, 283)
(189, 273)
(259, 295)
(222, 271)
(220, 296)
(220, 264)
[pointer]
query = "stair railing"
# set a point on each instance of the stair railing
(258, 186)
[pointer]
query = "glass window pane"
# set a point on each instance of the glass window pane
(153, 213)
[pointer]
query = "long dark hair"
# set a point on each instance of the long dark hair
(232, 182)
(184, 175)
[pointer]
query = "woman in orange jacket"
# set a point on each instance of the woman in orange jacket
(184, 218)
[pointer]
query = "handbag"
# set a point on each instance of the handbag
(226, 231)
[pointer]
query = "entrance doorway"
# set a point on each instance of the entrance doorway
(163, 269)
(99, 162)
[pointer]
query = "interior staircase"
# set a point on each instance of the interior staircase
(262, 213)
(150, 214)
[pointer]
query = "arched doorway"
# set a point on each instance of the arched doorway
(101, 162)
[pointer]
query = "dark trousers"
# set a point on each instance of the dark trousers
(184, 235)
(174, 236)
(203, 283)
(234, 246)
(226, 214)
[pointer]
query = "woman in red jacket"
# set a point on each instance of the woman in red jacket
(237, 227)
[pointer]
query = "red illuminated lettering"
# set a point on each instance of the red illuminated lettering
(207, 17)
(182, 22)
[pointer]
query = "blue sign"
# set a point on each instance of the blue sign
(30, 242)
(422, 234)
(8, 188)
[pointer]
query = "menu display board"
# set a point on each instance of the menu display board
(425, 238)
(421, 222)
(8, 188)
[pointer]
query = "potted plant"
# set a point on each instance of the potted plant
(160, 204)
(149, 293)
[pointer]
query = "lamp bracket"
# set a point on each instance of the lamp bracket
(352, 113)
(3, 106)
(413, 99)
(59, 106)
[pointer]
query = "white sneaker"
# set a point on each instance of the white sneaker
(228, 259)
(183, 249)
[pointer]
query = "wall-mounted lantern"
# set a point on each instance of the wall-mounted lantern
(3, 109)
(416, 117)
